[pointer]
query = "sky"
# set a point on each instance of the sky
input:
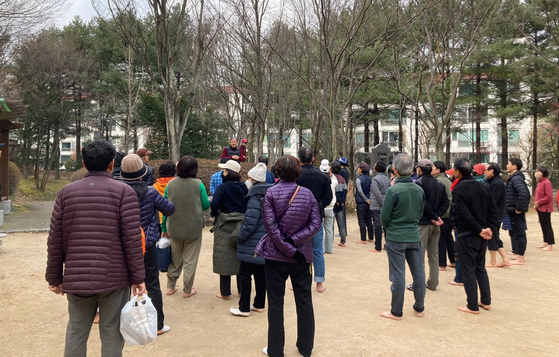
(81, 8)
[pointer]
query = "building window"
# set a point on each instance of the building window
(359, 138)
(514, 138)
(473, 113)
(467, 138)
(390, 137)
(66, 146)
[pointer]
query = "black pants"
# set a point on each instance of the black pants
(225, 285)
(518, 232)
(446, 244)
(152, 283)
(495, 243)
(301, 279)
(246, 271)
(365, 221)
(547, 230)
(472, 268)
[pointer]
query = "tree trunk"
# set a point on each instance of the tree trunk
(535, 140)
(504, 128)
(366, 133)
(478, 114)
(416, 137)
(376, 114)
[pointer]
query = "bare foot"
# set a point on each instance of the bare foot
(548, 248)
(375, 251)
(341, 244)
(227, 297)
(419, 314)
(504, 263)
(511, 253)
(518, 262)
(542, 246)
(320, 287)
(442, 268)
(452, 265)
(491, 265)
(388, 315)
(370, 240)
(192, 293)
(171, 291)
(485, 307)
(452, 282)
(465, 309)
(361, 242)
(96, 319)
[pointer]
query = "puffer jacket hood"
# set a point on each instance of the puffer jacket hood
(252, 228)
(299, 221)
(150, 203)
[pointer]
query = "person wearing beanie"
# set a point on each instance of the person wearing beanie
(132, 172)
(144, 154)
(363, 201)
(252, 230)
(269, 175)
(228, 206)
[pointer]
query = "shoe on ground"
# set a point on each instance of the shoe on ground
(163, 330)
(409, 287)
(265, 350)
(252, 308)
(238, 312)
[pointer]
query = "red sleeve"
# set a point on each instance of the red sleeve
(224, 153)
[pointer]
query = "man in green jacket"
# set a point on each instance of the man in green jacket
(400, 214)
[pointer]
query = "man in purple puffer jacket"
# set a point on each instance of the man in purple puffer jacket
(291, 217)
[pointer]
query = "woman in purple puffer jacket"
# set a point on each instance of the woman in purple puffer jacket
(291, 217)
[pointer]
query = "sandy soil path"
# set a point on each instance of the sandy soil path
(523, 320)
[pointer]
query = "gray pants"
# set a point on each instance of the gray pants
(184, 256)
(81, 311)
(328, 230)
(429, 235)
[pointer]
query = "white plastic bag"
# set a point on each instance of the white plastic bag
(163, 243)
(138, 321)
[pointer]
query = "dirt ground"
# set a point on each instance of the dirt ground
(523, 320)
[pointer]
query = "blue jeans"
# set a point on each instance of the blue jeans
(318, 255)
(341, 220)
(398, 254)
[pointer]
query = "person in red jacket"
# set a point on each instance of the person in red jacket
(543, 203)
(95, 251)
(243, 148)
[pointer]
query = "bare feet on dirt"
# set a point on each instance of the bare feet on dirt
(452, 282)
(219, 296)
(341, 245)
(171, 291)
(320, 287)
(542, 246)
(548, 248)
(442, 268)
(192, 293)
(518, 261)
(465, 309)
(361, 242)
(388, 315)
(491, 265)
(375, 251)
(419, 314)
(485, 307)
(504, 263)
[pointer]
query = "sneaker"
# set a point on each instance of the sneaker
(163, 330)
(252, 308)
(265, 350)
(238, 312)
(409, 287)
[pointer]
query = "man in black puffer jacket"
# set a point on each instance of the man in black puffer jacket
(518, 199)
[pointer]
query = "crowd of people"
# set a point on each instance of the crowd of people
(278, 224)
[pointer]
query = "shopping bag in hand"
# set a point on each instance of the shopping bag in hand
(138, 321)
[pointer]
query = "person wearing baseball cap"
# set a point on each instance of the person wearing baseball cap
(228, 206)
(144, 154)
(479, 175)
(436, 204)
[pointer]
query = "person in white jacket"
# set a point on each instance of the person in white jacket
(329, 210)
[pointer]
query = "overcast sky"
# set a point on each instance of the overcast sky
(81, 8)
